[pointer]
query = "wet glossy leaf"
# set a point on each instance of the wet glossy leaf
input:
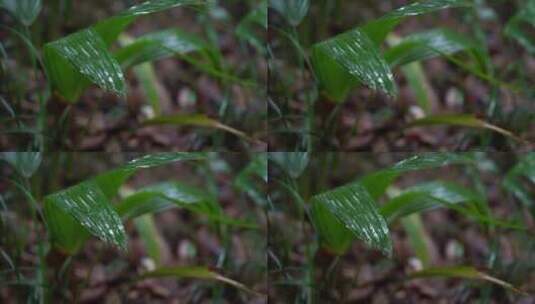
(463, 120)
(196, 120)
(293, 10)
(353, 206)
(25, 10)
(158, 45)
(194, 272)
(356, 55)
(26, 163)
(88, 205)
(377, 182)
(353, 57)
(333, 234)
(87, 58)
(378, 29)
(461, 272)
(82, 209)
(76, 60)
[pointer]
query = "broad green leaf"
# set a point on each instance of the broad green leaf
(358, 56)
(333, 235)
(25, 10)
(66, 232)
(293, 163)
(86, 57)
(293, 10)
(461, 272)
(353, 57)
(427, 196)
(428, 44)
(377, 182)
(26, 163)
(87, 204)
(462, 120)
(524, 169)
(158, 45)
(75, 212)
(194, 272)
(353, 206)
(378, 29)
(74, 61)
(521, 27)
(196, 120)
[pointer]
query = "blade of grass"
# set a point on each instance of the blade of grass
(427, 196)
(150, 236)
(378, 29)
(525, 168)
(418, 238)
(158, 45)
(462, 272)
(377, 182)
(195, 272)
(520, 25)
(197, 120)
(463, 120)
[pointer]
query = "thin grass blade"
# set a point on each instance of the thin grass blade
(195, 272)
(462, 120)
(462, 272)
(196, 120)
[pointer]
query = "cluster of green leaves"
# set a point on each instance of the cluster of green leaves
(101, 53)
(353, 211)
(368, 54)
(74, 61)
(100, 205)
